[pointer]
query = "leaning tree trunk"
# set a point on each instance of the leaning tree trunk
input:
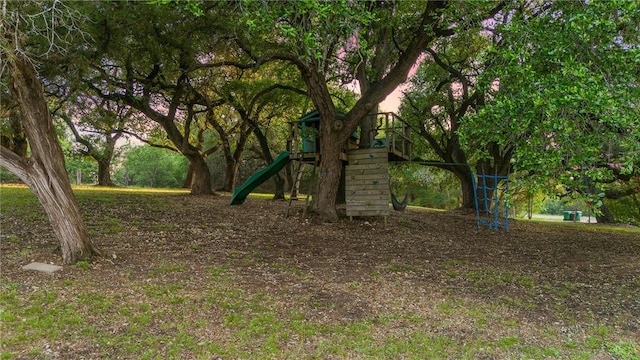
(44, 172)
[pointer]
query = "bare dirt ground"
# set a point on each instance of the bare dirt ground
(546, 286)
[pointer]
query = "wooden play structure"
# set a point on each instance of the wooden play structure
(367, 169)
(367, 183)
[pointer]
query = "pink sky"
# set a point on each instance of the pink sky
(392, 102)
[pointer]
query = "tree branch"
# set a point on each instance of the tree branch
(76, 134)
(618, 194)
(146, 141)
(15, 164)
(273, 88)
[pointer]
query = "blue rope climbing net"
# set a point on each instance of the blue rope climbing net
(486, 192)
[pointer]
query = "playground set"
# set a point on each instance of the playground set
(367, 182)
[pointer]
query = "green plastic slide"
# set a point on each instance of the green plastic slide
(241, 192)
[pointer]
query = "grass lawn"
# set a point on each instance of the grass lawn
(191, 277)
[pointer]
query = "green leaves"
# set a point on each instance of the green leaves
(569, 77)
(191, 6)
(312, 28)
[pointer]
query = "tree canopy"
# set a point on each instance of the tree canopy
(563, 87)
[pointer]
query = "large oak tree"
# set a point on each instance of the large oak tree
(564, 90)
(321, 39)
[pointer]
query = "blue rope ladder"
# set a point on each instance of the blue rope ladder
(486, 189)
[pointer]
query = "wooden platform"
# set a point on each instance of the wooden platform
(367, 182)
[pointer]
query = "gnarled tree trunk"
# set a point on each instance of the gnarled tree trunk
(230, 174)
(44, 171)
(330, 170)
(201, 176)
(104, 172)
(332, 141)
(105, 157)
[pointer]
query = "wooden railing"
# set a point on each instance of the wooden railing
(390, 132)
(397, 135)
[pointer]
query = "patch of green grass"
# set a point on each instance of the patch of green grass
(13, 239)
(261, 195)
(158, 316)
(516, 302)
(603, 330)
(162, 291)
(110, 225)
(166, 268)
(105, 224)
(509, 322)
(21, 202)
(34, 316)
(86, 195)
(508, 342)
(452, 267)
(539, 352)
(561, 290)
(16, 196)
(594, 342)
(105, 191)
(291, 269)
(481, 318)
(83, 265)
(96, 302)
(164, 227)
(623, 350)
(257, 327)
(426, 346)
(218, 273)
(485, 278)
(449, 307)
(25, 251)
